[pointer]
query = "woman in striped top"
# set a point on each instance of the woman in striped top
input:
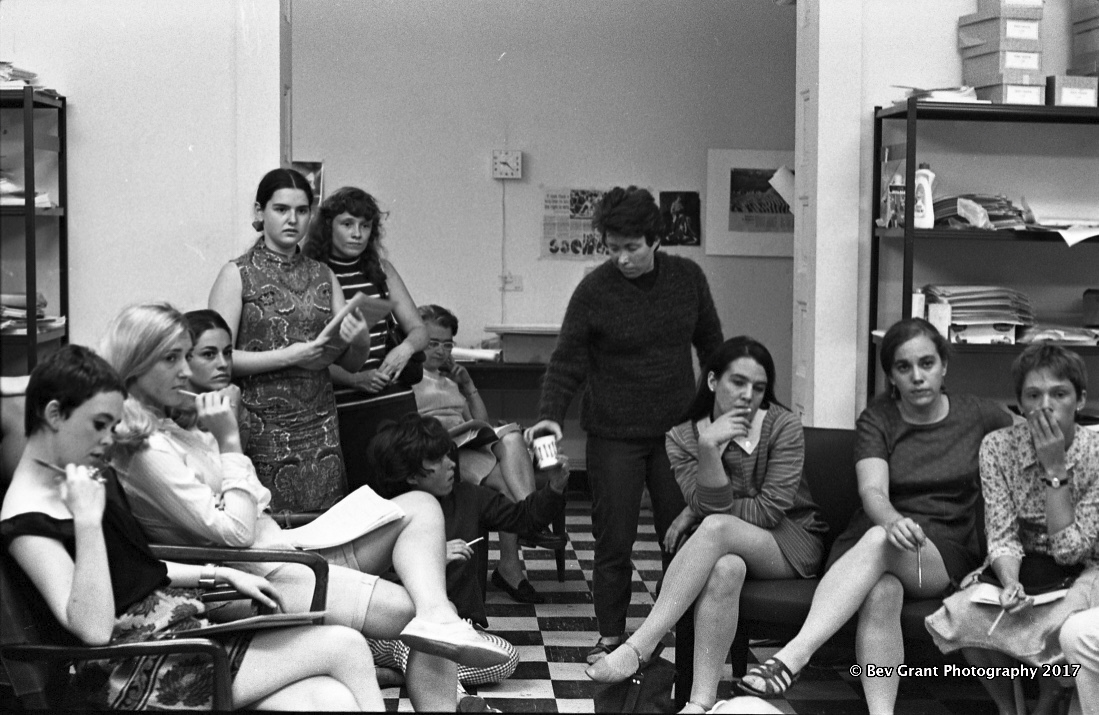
(738, 459)
(348, 237)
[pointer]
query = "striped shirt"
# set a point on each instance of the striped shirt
(353, 281)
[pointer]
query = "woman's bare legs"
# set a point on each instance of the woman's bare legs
(717, 611)
(846, 585)
(687, 575)
(513, 477)
(878, 640)
(331, 657)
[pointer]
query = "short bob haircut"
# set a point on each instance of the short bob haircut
(1062, 363)
(719, 361)
(904, 330)
(628, 212)
(199, 321)
(135, 341)
(71, 376)
(277, 179)
(399, 449)
(360, 204)
(440, 315)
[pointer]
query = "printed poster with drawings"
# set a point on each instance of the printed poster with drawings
(566, 225)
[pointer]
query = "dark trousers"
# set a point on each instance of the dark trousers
(618, 471)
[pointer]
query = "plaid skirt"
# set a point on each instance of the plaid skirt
(394, 654)
(179, 681)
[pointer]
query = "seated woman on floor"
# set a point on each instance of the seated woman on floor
(447, 393)
(194, 486)
(1041, 487)
(412, 454)
(738, 458)
(916, 533)
(75, 538)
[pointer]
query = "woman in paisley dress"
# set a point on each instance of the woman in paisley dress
(276, 300)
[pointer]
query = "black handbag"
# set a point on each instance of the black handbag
(1039, 573)
(413, 372)
(649, 690)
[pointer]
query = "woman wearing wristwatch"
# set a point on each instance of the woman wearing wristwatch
(1041, 488)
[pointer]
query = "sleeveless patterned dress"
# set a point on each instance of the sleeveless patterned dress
(294, 442)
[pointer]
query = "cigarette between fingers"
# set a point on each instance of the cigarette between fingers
(471, 543)
(188, 393)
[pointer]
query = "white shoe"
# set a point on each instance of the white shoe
(456, 641)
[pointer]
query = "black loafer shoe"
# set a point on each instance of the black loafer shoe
(544, 540)
(523, 593)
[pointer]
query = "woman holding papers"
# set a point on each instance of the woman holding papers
(194, 486)
(348, 237)
(916, 463)
(1041, 488)
(72, 534)
(738, 459)
(277, 301)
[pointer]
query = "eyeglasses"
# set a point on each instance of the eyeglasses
(433, 344)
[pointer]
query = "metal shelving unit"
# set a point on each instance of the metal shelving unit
(29, 101)
(913, 112)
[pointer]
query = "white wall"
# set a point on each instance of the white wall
(173, 118)
(408, 99)
(900, 43)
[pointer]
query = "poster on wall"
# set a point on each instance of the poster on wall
(313, 171)
(746, 215)
(681, 211)
(566, 225)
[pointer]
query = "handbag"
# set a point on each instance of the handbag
(1038, 573)
(413, 372)
(649, 690)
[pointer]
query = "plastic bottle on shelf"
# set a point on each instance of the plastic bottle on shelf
(896, 201)
(924, 209)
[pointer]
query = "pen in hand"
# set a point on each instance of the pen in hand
(919, 564)
(997, 621)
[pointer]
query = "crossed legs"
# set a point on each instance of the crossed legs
(513, 477)
(862, 581)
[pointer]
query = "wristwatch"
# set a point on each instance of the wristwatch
(1055, 482)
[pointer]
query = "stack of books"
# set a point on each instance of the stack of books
(12, 194)
(14, 314)
(1001, 212)
(979, 315)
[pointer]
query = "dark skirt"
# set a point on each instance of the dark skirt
(960, 551)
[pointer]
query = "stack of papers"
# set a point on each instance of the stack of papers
(12, 194)
(12, 77)
(1068, 334)
(982, 305)
(1001, 212)
(944, 94)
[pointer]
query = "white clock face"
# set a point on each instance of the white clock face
(507, 164)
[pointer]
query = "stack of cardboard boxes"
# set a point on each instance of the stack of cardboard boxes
(1001, 47)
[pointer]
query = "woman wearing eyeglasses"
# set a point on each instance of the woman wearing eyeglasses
(447, 393)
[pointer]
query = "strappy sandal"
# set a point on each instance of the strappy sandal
(595, 672)
(603, 647)
(776, 678)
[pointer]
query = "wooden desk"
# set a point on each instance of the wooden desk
(506, 375)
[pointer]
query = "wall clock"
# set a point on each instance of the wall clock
(507, 164)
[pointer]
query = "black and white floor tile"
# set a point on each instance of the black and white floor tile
(553, 638)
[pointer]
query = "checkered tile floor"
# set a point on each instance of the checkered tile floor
(553, 638)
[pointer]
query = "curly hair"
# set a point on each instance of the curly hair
(399, 448)
(360, 204)
(628, 212)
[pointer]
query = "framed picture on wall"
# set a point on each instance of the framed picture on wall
(745, 213)
(313, 171)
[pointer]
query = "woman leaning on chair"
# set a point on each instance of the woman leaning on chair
(1041, 490)
(193, 486)
(738, 458)
(915, 535)
(75, 538)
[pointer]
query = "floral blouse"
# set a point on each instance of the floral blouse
(1015, 502)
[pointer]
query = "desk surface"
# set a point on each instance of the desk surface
(506, 375)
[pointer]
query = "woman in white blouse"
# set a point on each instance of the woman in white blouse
(194, 486)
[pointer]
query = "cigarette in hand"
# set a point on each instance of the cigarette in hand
(471, 543)
(188, 393)
(996, 622)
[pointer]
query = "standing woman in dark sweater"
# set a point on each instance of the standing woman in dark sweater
(348, 237)
(625, 343)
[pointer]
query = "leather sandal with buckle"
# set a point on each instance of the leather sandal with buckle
(606, 671)
(775, 676)
(605, 645)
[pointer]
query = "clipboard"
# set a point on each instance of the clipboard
(371, 309)
(270, 620)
